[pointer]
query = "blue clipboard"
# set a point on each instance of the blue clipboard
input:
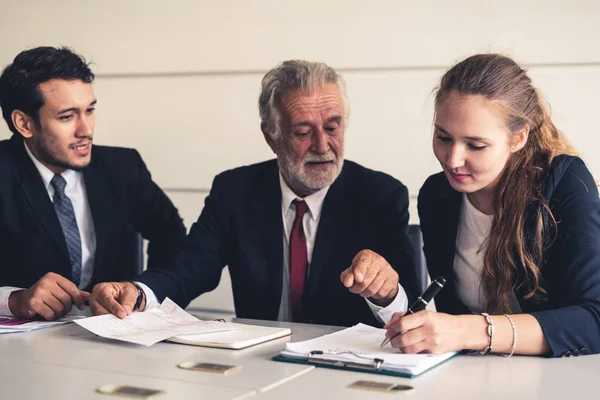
(374, 368)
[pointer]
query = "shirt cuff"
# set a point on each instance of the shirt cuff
(151, 300)
(399, 304)
(5, 292)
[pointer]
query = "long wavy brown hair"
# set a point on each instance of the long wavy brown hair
(523, 225)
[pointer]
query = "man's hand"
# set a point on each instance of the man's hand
(371, 276)
(117, 298)
(51, 297)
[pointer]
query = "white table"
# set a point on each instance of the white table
(463, 377)
(29, 380)
(69, 362)
(90, 361)
(72, 346)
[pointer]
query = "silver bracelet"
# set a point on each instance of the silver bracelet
(514, 343)
(490, 332)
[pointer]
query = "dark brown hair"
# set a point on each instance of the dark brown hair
(523, 225)
(20, 81)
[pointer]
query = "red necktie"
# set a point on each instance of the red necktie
(298, 262)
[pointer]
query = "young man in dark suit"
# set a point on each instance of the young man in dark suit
(68, 209)
(294, 230)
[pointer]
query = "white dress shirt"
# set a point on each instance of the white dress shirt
(75, 190)
(473, 228)
(310, 223)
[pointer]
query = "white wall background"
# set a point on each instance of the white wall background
(179, 80)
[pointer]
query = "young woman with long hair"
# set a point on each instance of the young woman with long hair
(512, 223)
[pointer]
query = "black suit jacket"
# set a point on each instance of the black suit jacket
(570, 318)
(241, 226)
(122, 198)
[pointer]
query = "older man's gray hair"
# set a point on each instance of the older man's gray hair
(306, 76)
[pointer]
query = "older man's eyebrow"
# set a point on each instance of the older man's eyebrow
(301, 123)
(336, 119)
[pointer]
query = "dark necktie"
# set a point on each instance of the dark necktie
(68, 223)
(298, 262)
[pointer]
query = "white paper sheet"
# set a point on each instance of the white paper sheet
(15, 324)
(360, 344)
(149, 327)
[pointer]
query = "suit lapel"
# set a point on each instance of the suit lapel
(334, 219)
(266, 205)
(102, 207)
(551, 178)
(450, 219)
(36, 195)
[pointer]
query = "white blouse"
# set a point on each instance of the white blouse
(473, 228)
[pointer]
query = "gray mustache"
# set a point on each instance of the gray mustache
(319, 158)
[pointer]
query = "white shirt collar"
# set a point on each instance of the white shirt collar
(47, 175)
(313, 201)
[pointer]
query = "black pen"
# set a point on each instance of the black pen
(422, 300)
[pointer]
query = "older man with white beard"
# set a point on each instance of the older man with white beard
(298, 233)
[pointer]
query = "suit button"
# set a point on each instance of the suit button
(567, 353)
(583, 351)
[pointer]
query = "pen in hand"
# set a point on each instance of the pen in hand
(422, 301)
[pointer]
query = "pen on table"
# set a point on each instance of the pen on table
(423, 300)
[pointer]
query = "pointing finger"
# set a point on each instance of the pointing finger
(360, 266)
(347, 277)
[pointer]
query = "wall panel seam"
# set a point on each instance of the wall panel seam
(342, 70)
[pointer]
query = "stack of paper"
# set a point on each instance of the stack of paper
(14, 324)
(149, 327)
(359, 345)
(239, 337)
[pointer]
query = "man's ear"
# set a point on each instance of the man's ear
(268, 138)
(519, 139)
(23, 123)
